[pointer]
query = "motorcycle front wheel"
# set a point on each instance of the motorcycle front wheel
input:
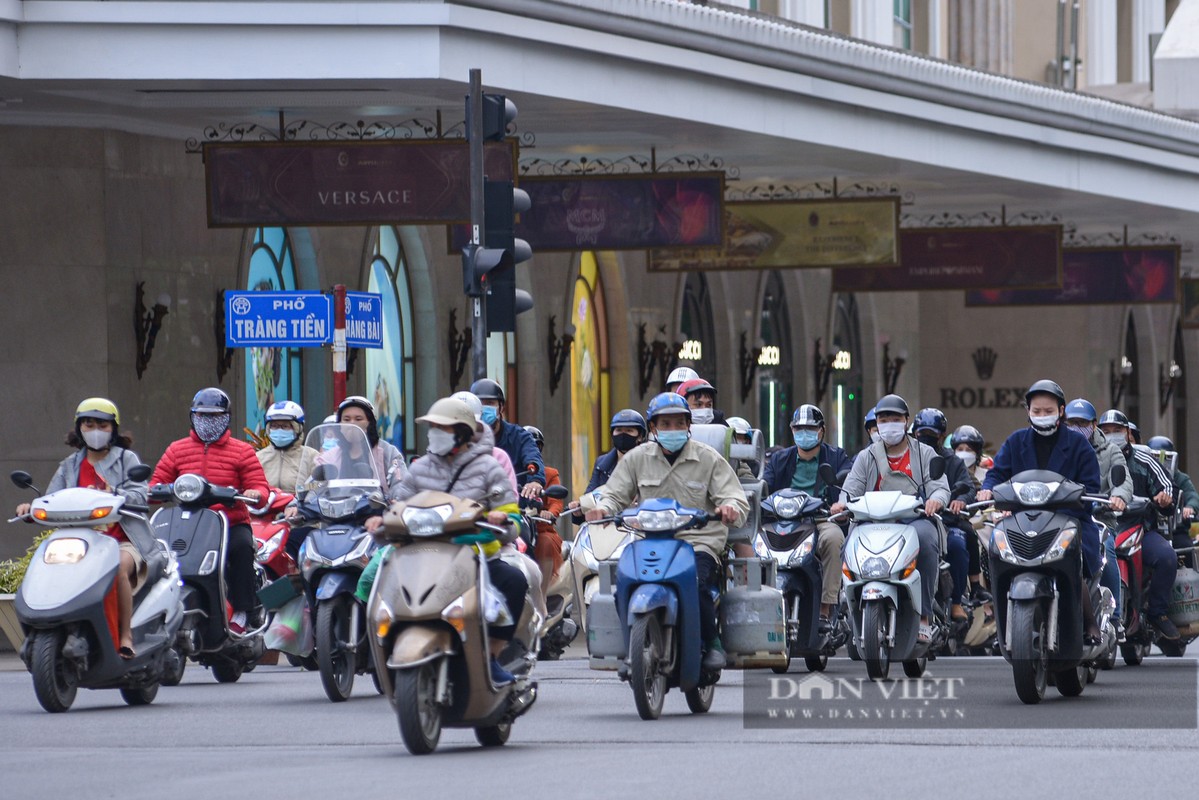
(140, 697)
(494, 735)
(416, 707)
(335, 662)
(53, 682)
(699, 700)
(1030, 661)
(645, 666)
(875, 650)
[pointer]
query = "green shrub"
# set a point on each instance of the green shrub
(12, 572)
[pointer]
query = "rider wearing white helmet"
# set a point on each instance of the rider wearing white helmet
(286, 460)
(679, 375)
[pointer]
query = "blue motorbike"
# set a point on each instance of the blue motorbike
(657, 601)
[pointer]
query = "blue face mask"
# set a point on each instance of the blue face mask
(672, 441)
(329, 444)
(490, 415)
(805, 440)
(281, 437)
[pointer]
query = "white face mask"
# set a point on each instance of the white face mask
(891, 432)
(440, 442)
(874, 437)
(967, 456)
(702, 416)
(1044, 425)
(1118, 439)
(97, 439)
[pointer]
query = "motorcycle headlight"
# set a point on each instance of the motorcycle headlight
(310, 559)
(1000, 543)
(267, 549)
(583, 548)
(423, 521)
(801, 552)
(876, 567)
(760, 548)
(787, 507)
(362, 551)
(188, 488)
(659, 520)
(1058, 549)
(1035, 493)
(65, 551)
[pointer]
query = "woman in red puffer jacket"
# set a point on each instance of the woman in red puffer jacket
(211, 452)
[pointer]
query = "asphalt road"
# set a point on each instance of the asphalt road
(274, 734)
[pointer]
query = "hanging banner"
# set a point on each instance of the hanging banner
(252, 184)
(934, 259)
(788, 234)
(618, 212)
(1099, 276)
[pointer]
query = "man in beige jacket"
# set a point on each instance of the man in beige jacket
(673, 466)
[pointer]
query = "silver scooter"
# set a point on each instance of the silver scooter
(61, 601)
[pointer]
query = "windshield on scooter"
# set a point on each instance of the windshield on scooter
(343, 472)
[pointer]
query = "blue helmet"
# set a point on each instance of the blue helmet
(1081, 409)
(870, 421)
(667, 403)
(930, 419)
(627, 418)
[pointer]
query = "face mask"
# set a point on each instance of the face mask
(281, 437)
(930, 440)
(490, 415)
(97, 439)
(1118, 439)
(440, 442)
(806, 440)
(1085, 430)
(874, 437)
(891, 432)
(968, 457)
(209, 427)
(702, 416)
(329, 444)
(1044, 425)
(672, 441)
(624, 442)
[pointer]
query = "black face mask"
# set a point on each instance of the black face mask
(930, 440)
(624, 442)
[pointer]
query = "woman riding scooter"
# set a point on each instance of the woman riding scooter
(101, 461)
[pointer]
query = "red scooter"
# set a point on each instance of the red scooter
(1133, 584)
(270, 536)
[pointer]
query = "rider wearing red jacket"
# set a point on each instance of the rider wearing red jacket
(211, 452)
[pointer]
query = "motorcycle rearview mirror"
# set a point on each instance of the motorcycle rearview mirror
(324, 472)
(23, 480)
(1119, 474)
(140, 472)
(557, 492)
(936, 468)
(826, 473)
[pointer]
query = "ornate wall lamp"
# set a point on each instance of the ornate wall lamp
(1167, 379)
(147, 324)
(1119, 379)
(224, 355)
(892, 367)
(654, 355)
(822, 370)
(747, 359)
(558, 350)
(459, 343)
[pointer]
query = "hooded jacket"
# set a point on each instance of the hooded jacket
(1110, 455)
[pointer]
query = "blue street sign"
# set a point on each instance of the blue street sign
(364, 319)
(278, 319)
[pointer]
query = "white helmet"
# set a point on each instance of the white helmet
(285, 410)
(740, 425)
(680, 374)
(330, 419)
(472, 401)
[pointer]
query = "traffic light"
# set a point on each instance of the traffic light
(501, 203)
(498, 111)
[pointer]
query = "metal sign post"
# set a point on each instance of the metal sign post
(474, 136)
(339, 344)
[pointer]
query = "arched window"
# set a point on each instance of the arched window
(774, 365)
(590, 402)
(845, 394)
(271, 373)
(389, 371)
(695, 323)
(1132, 389)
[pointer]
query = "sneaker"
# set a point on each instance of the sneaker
(926, 634)
(237, 623)
(980, 595)
(1164, 627)
(1119, 626)
(714, 658)
(499, 675)
(825, 625)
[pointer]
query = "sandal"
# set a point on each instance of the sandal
(926, 634)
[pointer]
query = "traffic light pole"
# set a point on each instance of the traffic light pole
(474, 135)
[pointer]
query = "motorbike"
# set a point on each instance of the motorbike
(339, 496)
(559, 628)
(270, 535)
(788, 536)
(882, 585)
(198, 536)
(594, 543)
(67, 595)
(1035, 558)
(1139, 636)
(430, 608)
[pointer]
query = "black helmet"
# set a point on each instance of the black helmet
(891, 404)
(1114, 417)
(1161, 443)
(1045, 387)
(210, 401)
(930, 419)
(628, 418)
(967, 434)
(487, 389)
(538, 436)
(1136, 432)
(807, 414)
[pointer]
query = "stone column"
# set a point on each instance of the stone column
(1102, 48)
(980, 34)
(1148, 16)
